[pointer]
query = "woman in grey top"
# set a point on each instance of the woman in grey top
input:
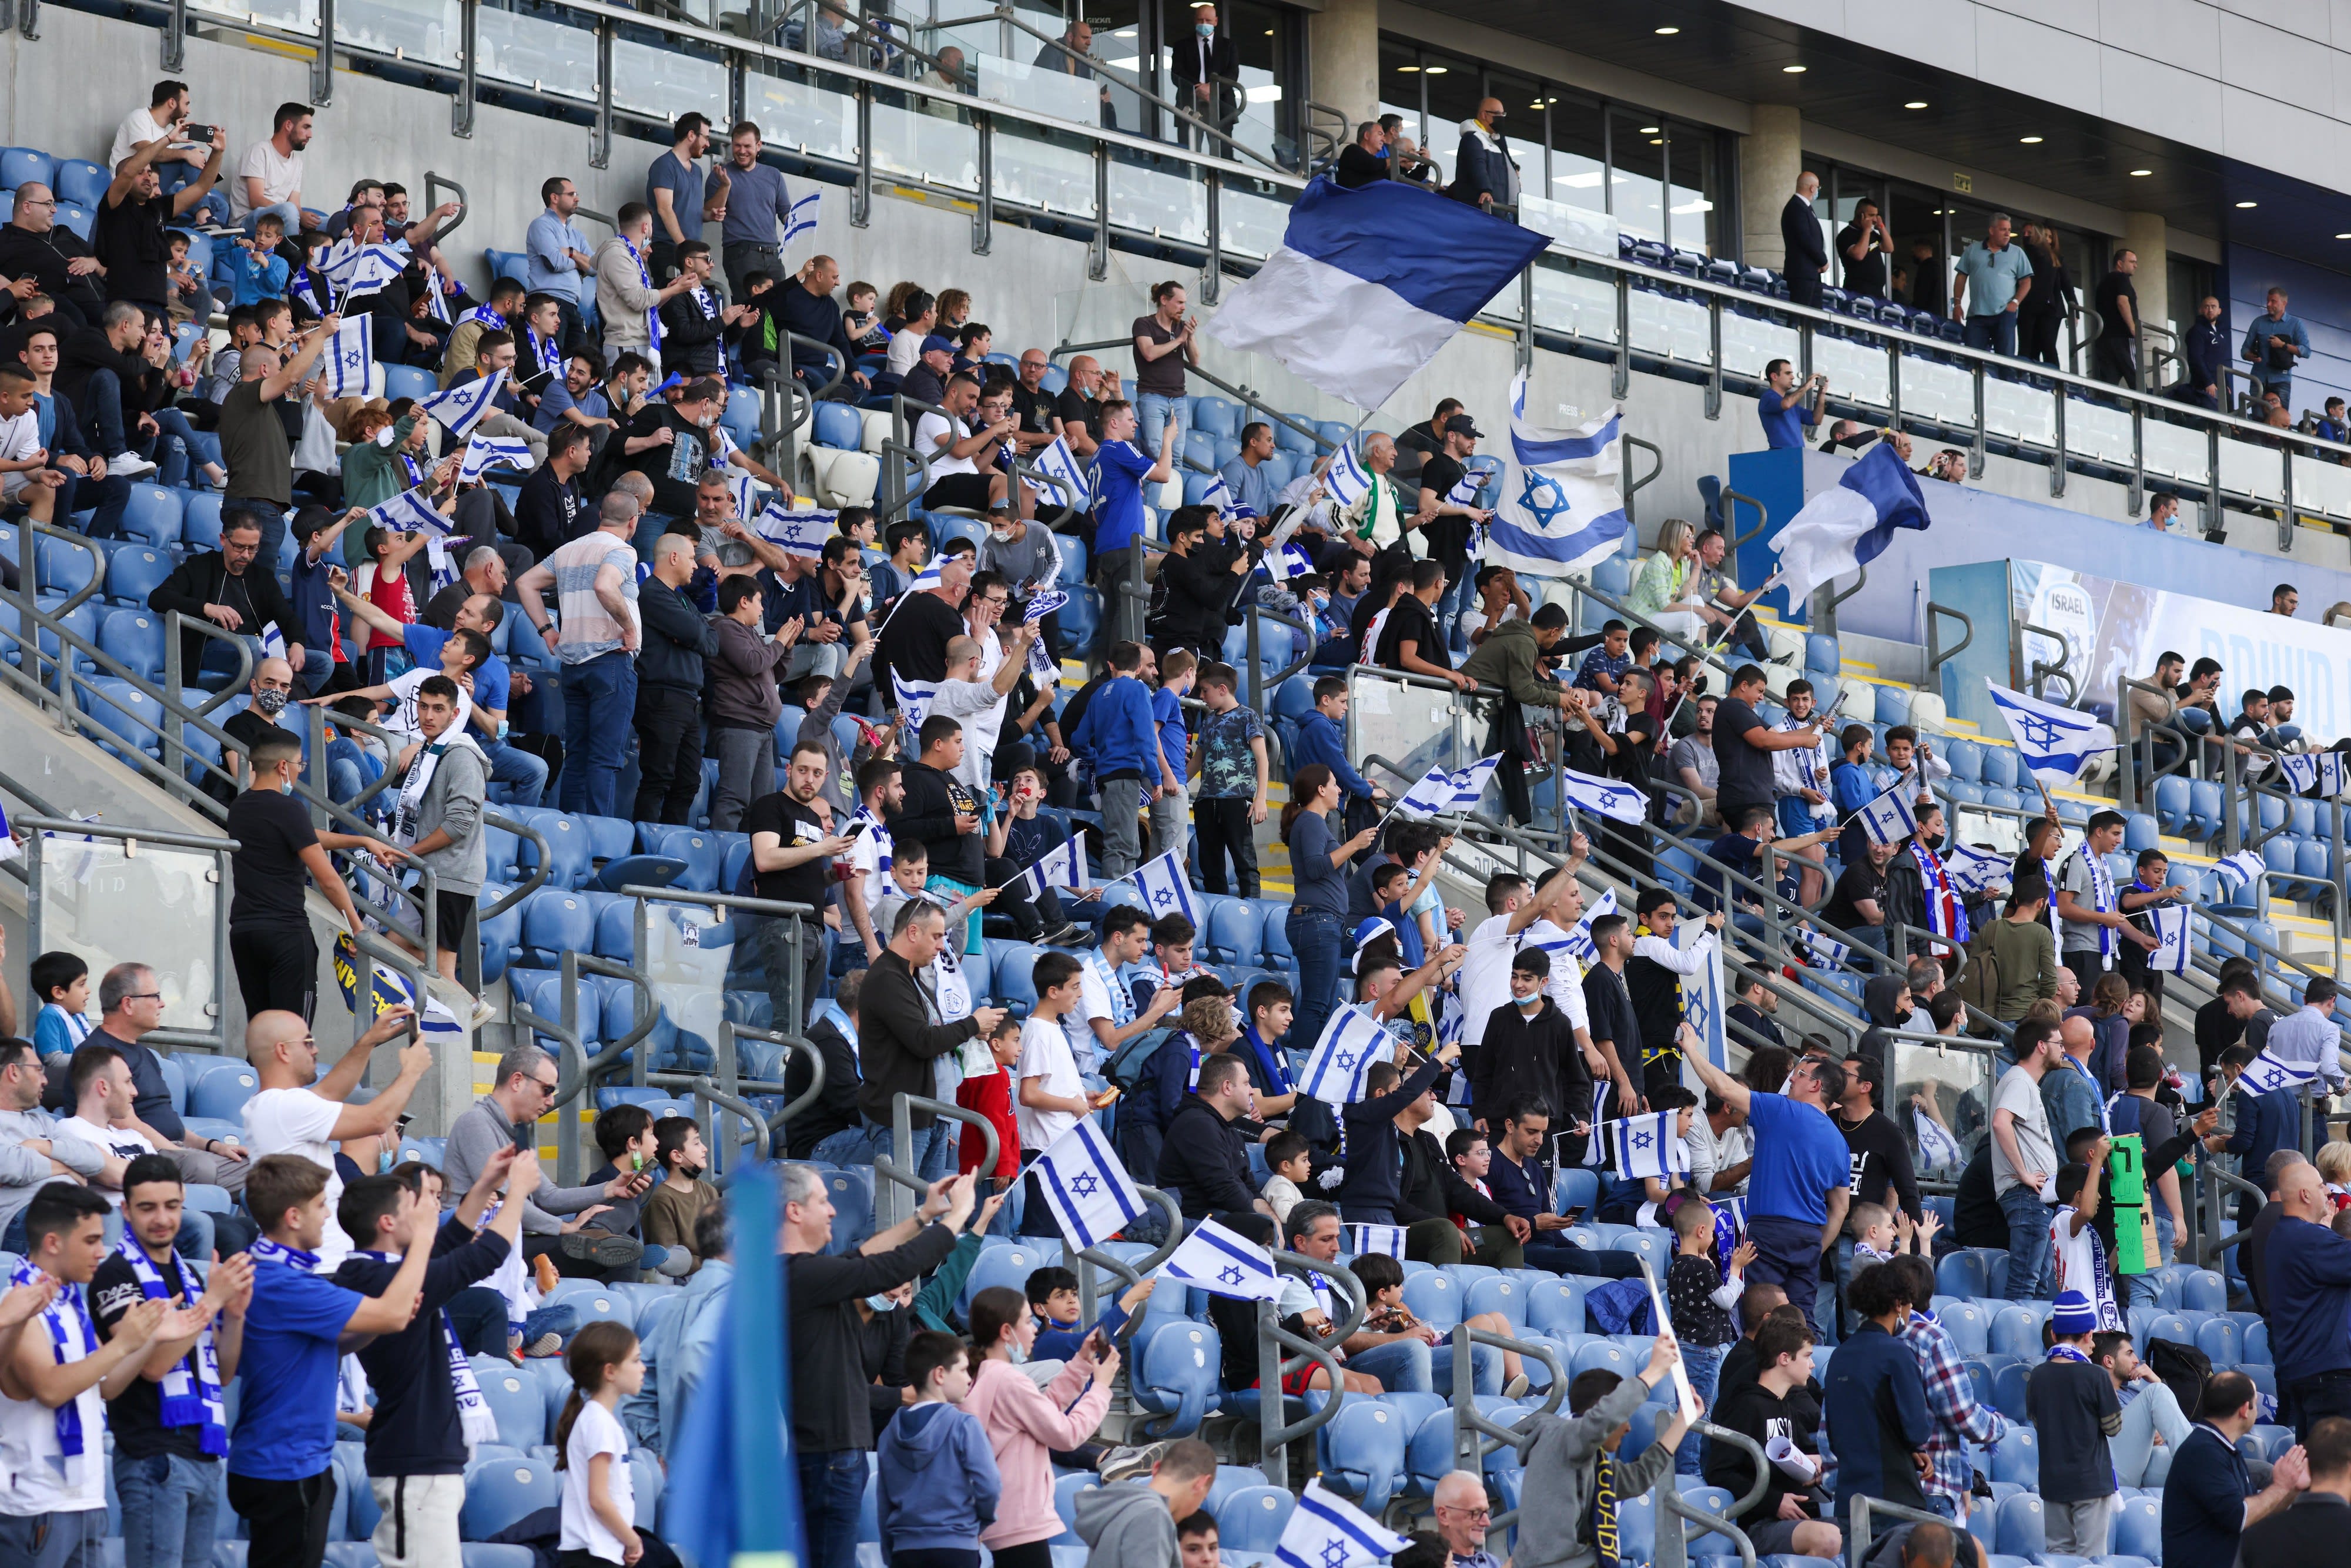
(1318, 911)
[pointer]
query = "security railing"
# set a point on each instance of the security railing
(1275, 1435)
(898, 1184)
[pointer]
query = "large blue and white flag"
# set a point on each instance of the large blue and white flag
(466, 404)
(2238, 870)
(1224, 1263)
(2171, 945)
(800, 217)
(484, 452)
(1326, 1531)
(1164, 883)
(1560, 504)
(1090, 1195)
(411, 511)
(1368, 283)
(1345, 479)
(1889, 820)
(1063, 865)
(1057, 461)
(1843, 528)
(1646, 1146)
(795, 533)
(1603, 797)
(343, 363)
(2054, 742)
(1335, 1068)
(1972, 870)
(2267, 1072)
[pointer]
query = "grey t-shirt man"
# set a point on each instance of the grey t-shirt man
(2078, 935)
(2020, 1096)
(1031, 561)
(756, 198)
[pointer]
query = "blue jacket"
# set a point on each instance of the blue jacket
(1118, 732)
(1373, 1158)
(1875, 1407)
(939, 1482)
(2309, 1299)
(1166, 1080)
(1319, 739)
(2264, 1124)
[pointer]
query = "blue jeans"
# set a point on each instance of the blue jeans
(832, 1493)
(600, 699)
(169, 1506)
(1704, 1365)
(106, 499)
(1315, 937)
(182, 447)
(1996, 331)
(272, 517)
(289, 217)
(1409, 1366)
(213, 209)
(1151, 413)
(522, 774)
(2031, 1263)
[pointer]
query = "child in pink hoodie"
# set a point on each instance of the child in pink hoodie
(1026, 1424)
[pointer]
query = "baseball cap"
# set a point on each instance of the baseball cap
(935, 344)
(1459, 424)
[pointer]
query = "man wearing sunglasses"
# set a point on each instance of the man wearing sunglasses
(506, 1117)
(130, 997)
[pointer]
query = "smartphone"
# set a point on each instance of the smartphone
(1098, 1344)
(1573, 1215)
(199, 133)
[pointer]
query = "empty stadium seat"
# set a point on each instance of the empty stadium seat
(499, 1492)
(514, 1400)
(1174, 1379)
(221, 1093)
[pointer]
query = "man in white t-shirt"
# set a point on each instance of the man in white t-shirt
(103, 1096)
(1517, 916)
(1105, 1016)
(465, 651)
(881, 792)
(956, 476)
(269, 180)
(976, 696)
(292, 1114)
(1049, 1094)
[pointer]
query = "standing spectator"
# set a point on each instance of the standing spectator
(2052, 298)
(1881, 1166)
(670, 663)
(793, 847)
(1026, 1421)
(2310, 1532)
(269, 928)
(1233, 781)
(258, 442)
(1804, 257)
(558, 257)
(938, 1484)
(674, 193)
(2024, 1158)
(127, 236)
(2209, 1500)
(626, 299)
(1742, 745)
(1875, 1404)
(595, 580)
(743, 704)
(2114, 356)
(2071, 1403)
(1163, 345)
(900, 1036)
(428, 1412)
(1863, 248)
(1772, 1409)
(1797, 1194)
(445, 784)
(502, 1119)
(754, 199)
(2090, 915)
(2205, 350)
(2272, 343)
(1576, 1472)
(280, 1476)
(1485, 170)
(1960, 1420)
(1118, 733)
(1120, 472)
(2308, 1267)
(1205, 73)
(1787, 405)
(2000, 277)
(297, 1111)
(269, 178)
(130, 1000)
(2070, 1091)
(1319, 857)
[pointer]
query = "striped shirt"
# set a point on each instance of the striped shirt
(589, 630)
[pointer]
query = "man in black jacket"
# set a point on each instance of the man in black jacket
(1529, 1052)
(899, 1031)
(1207, 76)
(835, 1109)
(669, 686)
(1799, 234)
(32, 244)
(1430, 1192)
(102, 369)
(1199, 585)
(551, 513)
(804, 306)
(832, 1412)
(697, 325)
(940, 810)
(221, 586)
(1363, 159)
(1368, 1195)
(1203, 1163)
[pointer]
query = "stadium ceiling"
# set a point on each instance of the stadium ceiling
(1739, 54)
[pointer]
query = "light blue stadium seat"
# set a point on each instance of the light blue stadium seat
(594, 1300)
(2139, 1527)
(2202, 1291)
(852, 1200)
(1250, 1518)
(1497, 1293)
(2017, 1532)
(2019, 1458)
(1176, 1378)
(68, 567)
(2221, 1340)
(555, 921)
(1435, 1297)
(837, 424)
(407, 380)
(2008, 1389)
(2016, 1331)
(1556, 1307)
(1965, 758)
(155, 515)
(1970, 1329)
(223, 1093)
(499, 1492)
(514, 1400)
(135, 639)
(569, 850)
(25, 165)
(1362, 1449)
(1235, 931)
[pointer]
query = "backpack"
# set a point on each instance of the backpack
(2185, 1370)
(1980, 981)
(1132, 1061)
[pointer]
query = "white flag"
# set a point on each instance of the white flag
(1382, 1238)
(1335, 1070)
(1164, 883)
(2171, 945)
(1346, 481)
(797, 533)
(1888, 818)
(1326, 1531)
(2054, 742)
(1646, 1146)
(1063, 865)
(484, 452)
(1089, 1191)
(466, 404)
(1843, 528)
(1224, 1263)
(1596, 1148)
(273, 641)
(1560, 504)
(1603, 797)
(343, 361)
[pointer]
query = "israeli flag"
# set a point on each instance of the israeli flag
(1041, 603)
(1352, 309)
(2240, 869)
(1059, 464)
(1063, 865)
(1888, 818)
(411, 511)
(800, 217)
(745, 488)
(1335, 1070)
(2268, 1074)
(1387, 1239)
(1165, 888)
(1560, 506)
(1289, 563)
(1972, 870)
(1326, 1531)
(2053, 741)
(1603, 797)
(465, 405)
(484, 452)
(1224, 1263)
(924, 580)
(273, 641)
(915, 699)
(797, 533)
(1217, 493)
(1442, 792)
(1646, 1146)
(1346, 481)
(367, 272)
(343, 361)
(1826, 951)
(1843, 528)
(2171, 945)
(1578, 944)
(1089, 1191)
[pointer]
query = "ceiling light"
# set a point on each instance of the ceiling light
(2243, 206)
(1791, 70)
(1656, 142)
(2342, 237)
(2030, 141)
(1668, 32)
(1432, 71)
(1916, 103)
(1649, 130)
(1404, 70)
(2141, 173)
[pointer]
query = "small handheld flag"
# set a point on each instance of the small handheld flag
(1888, 818)
(343, 361)
(2267, 1074)
(466, 404)
(1603, 797)
(1846, 525)
(1646, 1146)
(1063, 865)
(797, 533)
(1387, 1239)
(1224, 1263)
(1057, 463)
(1578, 944)
(409, 512)
(800, 217)
(1346, 481)
(2171, 945)
(2242, 869)
(1087, 1188)
(484, 452)
(1164, 883)
(1217, 493)
(1826, 952)
(1335, 1070)
(273, 641)
(1326, 1531)
(2054, 742)
(1972, 870)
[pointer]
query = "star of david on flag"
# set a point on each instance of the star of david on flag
(1335, 1070)
(1972, 870)
(2171, 945)
(1326, 1531)
(1888, 818)
(2054, 742)
(2267, 1074)
(1058, 463)
(1224, 1263)
(367, 273)
(1089, 1191)
(484, 452)
(1346, 481)
(1063, 865)
(915, 699)
(1646, 1146)
(465, 405)
(344, 359)
(1165, 889)
(1442, 792)
(797, 533)
(1603, 797)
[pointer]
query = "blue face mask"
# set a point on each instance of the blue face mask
(879, 1303)
(1206, 29)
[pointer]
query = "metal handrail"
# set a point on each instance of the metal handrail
(1092, 1258)
(1937, 654)
(896, 1169)
(574, 1067)
(1671, 1547)
(1471, 1425)
(1275, 1435)
(1858, 1540)
(1250, 400)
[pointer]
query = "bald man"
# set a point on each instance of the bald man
(2309, 1297)
(1078, 406)
(1462, 1511)
(292, 1116)
(975, 695)
(2069, 1090)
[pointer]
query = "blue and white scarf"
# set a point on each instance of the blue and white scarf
(408, 463)
(652, 313)
(707, 301)
(2067, 1352)
(489, 319)
(1276, 1069)
(72, 1336)
(190, 1394)
(473, 1410)
(1122, 1000)
(545, 353)
(264, 1251)
(1946, 912)
(2102, 899)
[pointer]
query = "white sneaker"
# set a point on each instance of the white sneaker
(130, 465)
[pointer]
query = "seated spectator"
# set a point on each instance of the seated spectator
(697, 324)
(60, 983)
(673, 1211)
(1788, 1518)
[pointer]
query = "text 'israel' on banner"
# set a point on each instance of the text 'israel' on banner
(1368, 283)
(1561, 507)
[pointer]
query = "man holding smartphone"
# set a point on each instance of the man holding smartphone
(1788, 405)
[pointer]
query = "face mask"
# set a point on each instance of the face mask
(386, 1160)
(383, 436)
(270, 702)
(1206, 29)
(879, 1303)
(1018, 1356)
(1531, 1004)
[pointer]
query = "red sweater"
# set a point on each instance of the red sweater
(992, 1097)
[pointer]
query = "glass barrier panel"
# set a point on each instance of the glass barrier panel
(1936, 389)
(2023, 411)
(663, 83)
(1039, 88)
(1942, 1101)
(2320, 485)
(1051, 171)
(1855, 368)
(1157, 196)
(1650, 316)
(159, 907)
(428, 30)
(2176, 450)
(2248, 469)
(2098, 430)
(810, 115)
(1568, 224)
(1571, 301)
(1751, 340)
(285, 16)
(926, 142)
(1411, 725)
(1255, 214)
(546, 55)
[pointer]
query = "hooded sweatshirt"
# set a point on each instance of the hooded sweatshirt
(1126, 1526)
(1025, 1425)
(939, 1482)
